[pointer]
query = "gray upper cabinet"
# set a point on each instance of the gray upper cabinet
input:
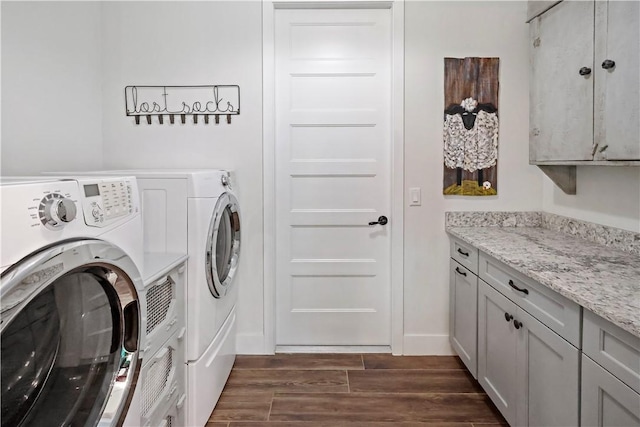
(561, 98)
(584, 83)
(617, 81)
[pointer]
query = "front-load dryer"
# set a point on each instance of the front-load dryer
(71, 308)
(197, 212)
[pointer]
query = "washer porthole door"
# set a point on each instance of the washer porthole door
(223, 245)
(70, 325)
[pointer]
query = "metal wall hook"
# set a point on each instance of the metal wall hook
(198, 100)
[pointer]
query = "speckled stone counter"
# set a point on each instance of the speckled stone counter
(602, 279)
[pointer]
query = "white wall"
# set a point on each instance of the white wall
(51, 93)
(189, 43)
(608, 195)
(434, 30)
(82, 54)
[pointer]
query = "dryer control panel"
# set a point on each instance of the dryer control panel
(107, 200)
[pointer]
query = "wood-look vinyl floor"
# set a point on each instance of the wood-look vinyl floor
(352, 390)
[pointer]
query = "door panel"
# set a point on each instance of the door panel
(463, 316)
(333, 151)
(554, 75)
(497, 341)
(546, 362)
(617, 107)
(607, 401)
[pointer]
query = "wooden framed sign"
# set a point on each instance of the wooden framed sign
(470, 132)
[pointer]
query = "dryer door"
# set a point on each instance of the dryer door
(70, 324)
(223, 245)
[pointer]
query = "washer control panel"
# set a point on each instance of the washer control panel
(106, 200)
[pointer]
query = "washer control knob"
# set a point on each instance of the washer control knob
(56, 210)
(225, 180)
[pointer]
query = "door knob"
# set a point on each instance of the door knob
(584, 71)
(608, 64)
(382, 220)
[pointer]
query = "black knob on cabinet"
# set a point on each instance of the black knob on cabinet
(517, 324)
(508, 317)
(608, 64)
(584, 71)
(382, 220)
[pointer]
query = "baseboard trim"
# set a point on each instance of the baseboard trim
(413, 345)
(333, 349)
(251, 343)
(427, 345)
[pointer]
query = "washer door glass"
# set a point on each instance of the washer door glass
(66, 347)
(223, 245)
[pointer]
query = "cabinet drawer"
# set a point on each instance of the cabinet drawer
(465, 254)
(552, 309)
(614, 349)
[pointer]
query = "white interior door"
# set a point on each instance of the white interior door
(333, 160)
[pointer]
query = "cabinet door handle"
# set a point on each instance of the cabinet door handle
(523, 290)
(463, 253)
(608, 64)
(584, 71)
(508, 317)
(461, 272)
(517, 324)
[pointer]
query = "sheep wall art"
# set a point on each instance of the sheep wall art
(471, 126)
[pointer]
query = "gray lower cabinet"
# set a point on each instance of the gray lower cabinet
(530, 373)
(607, 401)
(545, 362)
(497, 346)
(463, 288)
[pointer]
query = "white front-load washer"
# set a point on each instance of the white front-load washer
(197, 212)
(71, 310)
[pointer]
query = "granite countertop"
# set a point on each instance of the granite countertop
(602, 279)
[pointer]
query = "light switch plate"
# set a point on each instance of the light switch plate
(415, 198)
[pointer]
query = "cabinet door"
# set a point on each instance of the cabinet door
(497, 340)
(606, 401)
(545, 362)
(617, 104)
(561, 100)
(463, 314)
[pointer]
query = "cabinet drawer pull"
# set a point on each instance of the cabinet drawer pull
(461, 272)
(608, 64)
(508, 317)
(463, 253)
(584, 71)
(523, 290)
(517, 324)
